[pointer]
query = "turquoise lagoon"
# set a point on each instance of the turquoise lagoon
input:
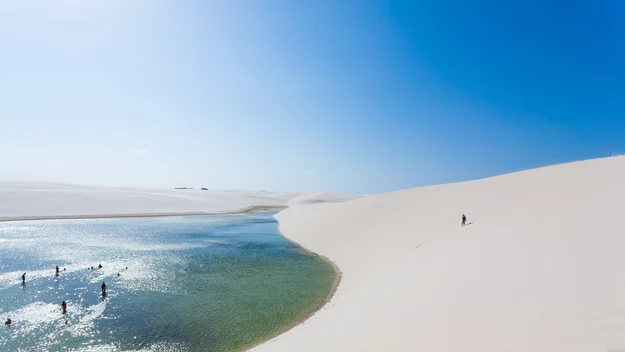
(197, 283)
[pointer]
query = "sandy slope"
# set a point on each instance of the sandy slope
(36, 200)
(541, 268)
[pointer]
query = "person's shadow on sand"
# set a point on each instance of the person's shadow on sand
(468, 223)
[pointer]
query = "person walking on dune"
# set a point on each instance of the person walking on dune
(464, 220)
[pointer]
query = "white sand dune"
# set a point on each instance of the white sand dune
(540, 268)
(47, 200)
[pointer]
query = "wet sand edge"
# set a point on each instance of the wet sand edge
(337, 280)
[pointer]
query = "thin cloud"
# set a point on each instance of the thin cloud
(139, 151)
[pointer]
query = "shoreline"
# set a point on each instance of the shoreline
(335, 285)
(246, 210)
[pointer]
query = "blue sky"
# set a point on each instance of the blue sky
(345, 96)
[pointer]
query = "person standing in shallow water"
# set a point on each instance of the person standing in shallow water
(57, 270)
(64, 307)
(104, 289)
(464, 220)
(24, 278)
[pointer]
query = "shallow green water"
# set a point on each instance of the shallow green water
(202, 283)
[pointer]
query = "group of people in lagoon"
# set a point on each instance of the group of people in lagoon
(63, 304)
(99, 267)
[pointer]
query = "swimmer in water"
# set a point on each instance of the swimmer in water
(100, 266)
(8, 322)
(64, 307)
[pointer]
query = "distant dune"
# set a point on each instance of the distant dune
(539, 268)
(46, 200)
